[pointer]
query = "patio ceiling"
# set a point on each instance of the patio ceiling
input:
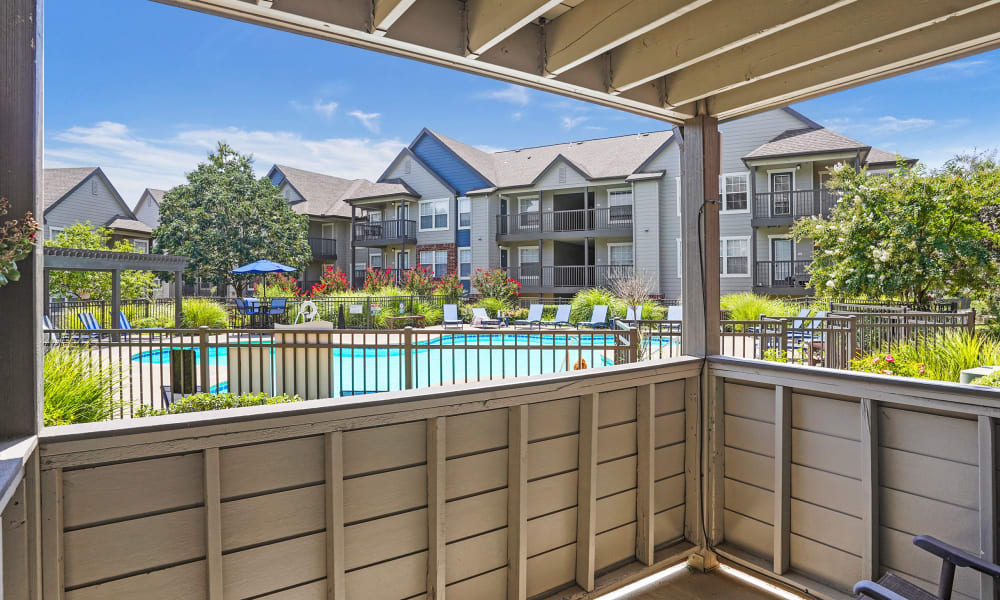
(660, 58)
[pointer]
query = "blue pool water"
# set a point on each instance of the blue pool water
(435, 361)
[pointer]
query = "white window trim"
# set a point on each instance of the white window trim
(614, 244)
(145, 243)
(434, 214)
(520, 251)
(458, 221)
(55, 231)
(529, 197)
(328, 229)
(631, 196)
(432, 265)
(680, 259)
(395, 259)
(770, 245)
(458, 260)
(380, 260)
(677, 184)
(782, 170)
(722, 245)
(722, 192)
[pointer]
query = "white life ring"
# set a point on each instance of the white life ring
(307, 310)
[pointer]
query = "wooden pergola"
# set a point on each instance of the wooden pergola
(77, 259)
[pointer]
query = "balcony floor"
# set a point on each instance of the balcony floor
(691, 585)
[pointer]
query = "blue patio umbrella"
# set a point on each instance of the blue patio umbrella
(263, 267)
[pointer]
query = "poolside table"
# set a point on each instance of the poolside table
(414, 320)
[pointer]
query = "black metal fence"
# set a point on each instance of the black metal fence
(64, 314)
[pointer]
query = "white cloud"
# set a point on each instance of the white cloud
(890, 124)
(595, 128)
(516, 116)
(959, 69)
(325, 108)
(134, 162)
(369, 120)
(514, 94)
(571, 122)
(886, 124)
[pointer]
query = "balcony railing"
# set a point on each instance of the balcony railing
(794, 204)
(383, 233)
(781, 273)
(323, 247)
(545, 277)
(395, 276)
(612, 220)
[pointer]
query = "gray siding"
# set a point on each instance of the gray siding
(646, 209)
(665, 246)
(551, 177)
(485, 251)
(429, 188)
(147, 211)
(83, 205)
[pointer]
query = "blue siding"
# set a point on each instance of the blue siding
(448, 166)
(463, 237)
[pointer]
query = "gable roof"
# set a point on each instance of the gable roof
(363, 188)
(408, 153)
(883, 158)
(126, 224)
(155, 195)
(59, 183)
(796, 142)
(322, 195)
(480, 161)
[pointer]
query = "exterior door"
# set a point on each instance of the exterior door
(781, 193)
(503, 220)
(782, 255)
(504, 258)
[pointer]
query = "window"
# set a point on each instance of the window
(93, 187)
(375, 261)
(435, 261)
(465, 262)
(464, 213)
(434, 215)
(402, 259)
(528, 255)
(54, 232)
(528, 204)
(374, 216)
(734, 189)
(140, 246)
(677, 182)
(529, 216)
(620, 254)
(734, 256)
(620, 206)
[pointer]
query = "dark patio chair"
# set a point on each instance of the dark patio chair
(893, 587)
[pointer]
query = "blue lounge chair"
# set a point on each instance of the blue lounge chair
(451, 316)
(278, 306)
(561, 318)
(675, 313)
(484, 318)
(534, 316)
(807, 333)
(633, 313)
(123, 321)
(598, 318)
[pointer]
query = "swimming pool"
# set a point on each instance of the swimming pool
(438, 360)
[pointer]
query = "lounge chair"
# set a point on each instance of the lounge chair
(674, 313)
(893, 587)
(561, 318)
(484, 318)
(598, 318)
(806, 332)
(277, 307)
(451, 316)
(123, 321)
(633, 313)
(534, 316)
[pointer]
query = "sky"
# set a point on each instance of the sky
(147, 104)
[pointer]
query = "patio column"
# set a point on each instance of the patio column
(700, 238)
(354, 218)
(179, 298)
(20, 184)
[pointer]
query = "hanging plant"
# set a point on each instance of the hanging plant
(17, 238)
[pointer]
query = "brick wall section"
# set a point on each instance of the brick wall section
(452, 254)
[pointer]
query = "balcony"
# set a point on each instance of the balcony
(565, 224)
(781, 276)
(385, 233)
(537, 278)
(395, 276)
(323, 247)
(783, 208)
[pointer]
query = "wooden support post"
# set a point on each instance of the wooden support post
(693, 440)
(14, 580)
(116, 299)
(213, 523)
(335, 584)
(700, 235)
(20, 183)
(645, 534)
(53, 580)
(715, 467)
(586, 499)
(782, 475)
(517, 502)
(436, 480)
(987, 501)
(869, 489)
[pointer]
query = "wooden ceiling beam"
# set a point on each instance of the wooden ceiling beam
(836, 33)
(593, 28)
(956, 37)
(491, 21)
(717, 27)
(386, 12)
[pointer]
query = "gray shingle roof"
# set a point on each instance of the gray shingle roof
(806, 141)
(323, 195)
(362, 188)
(881, 157)
(599, 159)
(157, 195)
(59, 182)
(126, 224)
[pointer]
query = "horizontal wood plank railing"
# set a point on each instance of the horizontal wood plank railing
(822, 478)
(513, 490)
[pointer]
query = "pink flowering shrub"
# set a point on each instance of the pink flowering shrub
(886, 364)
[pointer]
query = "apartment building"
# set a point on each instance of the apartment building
(570, 216)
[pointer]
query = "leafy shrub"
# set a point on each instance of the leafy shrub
(279, 286)
(889, 364)
(76, 388)
(433, 313)
(17, 238)
(376, 280)
(157, 322)
(198, 312)
(333, 281)
(494, 283)
(450, 286)
(203, 402)
(585, 300)
(946, 356)
(775, 355)
(494, 306)
(747, 306)
(418, 281)
(993, 379)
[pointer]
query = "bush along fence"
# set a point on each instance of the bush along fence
(153, 368)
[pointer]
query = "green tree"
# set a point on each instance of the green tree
(224, 217)
(92, 284)
(910, 235)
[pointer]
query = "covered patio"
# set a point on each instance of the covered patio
(567, 485)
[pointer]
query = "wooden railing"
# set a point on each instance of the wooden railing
(781, 273)
(385, 232)
(513, 490)
(323, 247)
(794, 204)
(613, 219)
(542, 277)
